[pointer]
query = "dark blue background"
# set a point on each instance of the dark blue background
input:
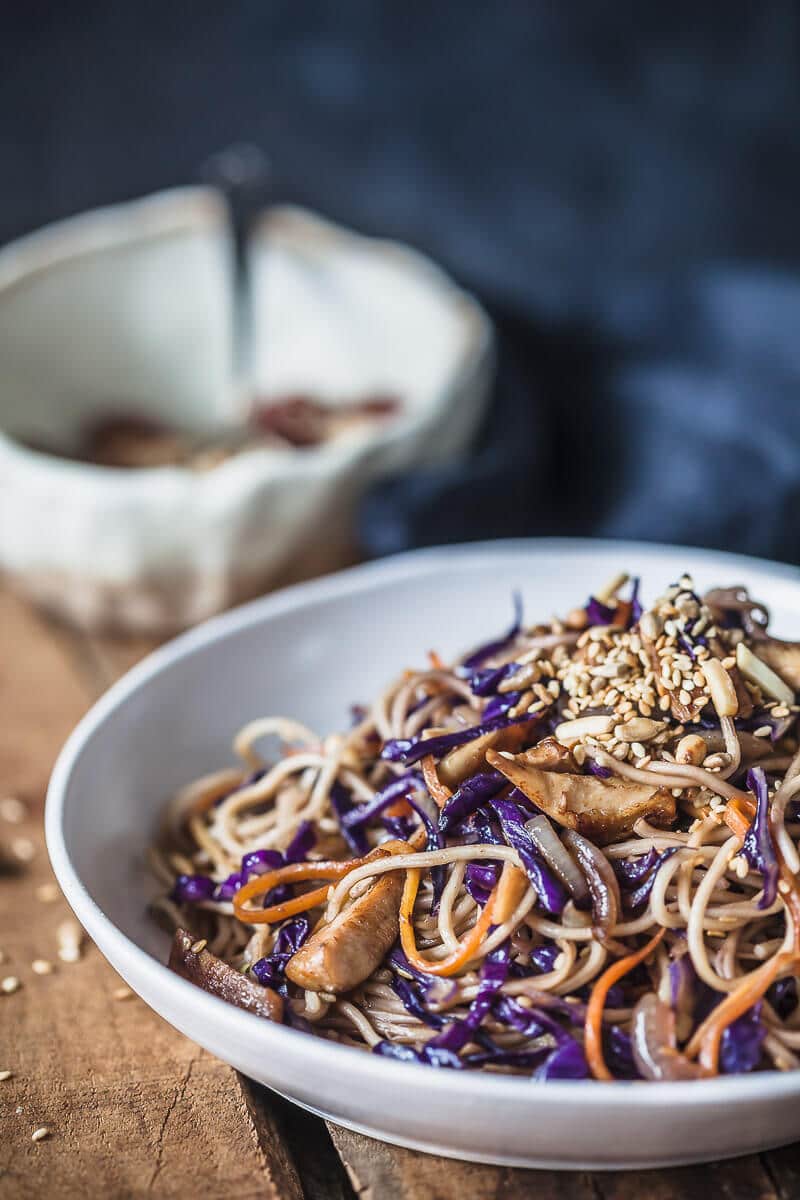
(619, 182)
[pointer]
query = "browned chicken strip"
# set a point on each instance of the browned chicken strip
(603, 810)
(210, 973)
(339, 956)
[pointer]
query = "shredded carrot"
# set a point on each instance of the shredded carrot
(439, 791)
(436, 662)
(468, 947)
(738, 815)
(705, 1041)
(511, 888)
(259, 885)
(593, 1040)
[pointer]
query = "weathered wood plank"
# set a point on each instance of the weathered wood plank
(134, 1108)
(381, 1172)
(735, 1179)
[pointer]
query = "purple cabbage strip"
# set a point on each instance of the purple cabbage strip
(638, 896)
(411, 750)
(304, 840)
(192, 889)
(599, 614)
(499, 705)
(550, 892)
(618, 1053)
(493, 975)
(413, 1003)
(630, 871)
(594, 768)
(229, 887)
(491, 648)
(431, 1056)
(544, 958)
(479, 879)
(566, 1061)
(682, 984)
(270, 971)
(486, 682)
(740, 1044)
(342, 802)
(469, 797)
(530, 1022)
(758, 847)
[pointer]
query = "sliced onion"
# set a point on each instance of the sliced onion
(653, 1042)
(559, 860)
(603, 885)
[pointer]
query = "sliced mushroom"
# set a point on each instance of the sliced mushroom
(782, 657)
(465, 760)
(340, 955)
(550, 755)
(753, 748)
(204, 969)
(602, 810)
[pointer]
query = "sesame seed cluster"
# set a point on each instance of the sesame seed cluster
(632, 692)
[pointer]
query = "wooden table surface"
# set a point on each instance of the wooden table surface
(131, 1106)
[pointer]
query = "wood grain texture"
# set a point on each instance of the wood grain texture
(134, 1108)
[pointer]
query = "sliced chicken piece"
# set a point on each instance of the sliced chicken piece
(203, 968)
(602, 810)
(339, 956)
(466, 760)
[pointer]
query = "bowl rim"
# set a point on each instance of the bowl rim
(733, 1090)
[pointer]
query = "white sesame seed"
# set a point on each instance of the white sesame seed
(23, 848)
(729, 663)
(664, 703)
(40, 1134)
(69, 954)
(762, 731)
(47, 893)
(638, 749)
(122, 993)
(40, 966)
(684, 697)
(10, 985)
(199, 946)
(4, 1075)
(780, 710)
(12, 810)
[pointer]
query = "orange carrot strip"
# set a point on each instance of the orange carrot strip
(593, 1041)
(706, 1039)
(259, 885)
(436, 662)
(468, 947)
(440, 791)
(511, 887)
(738, 815)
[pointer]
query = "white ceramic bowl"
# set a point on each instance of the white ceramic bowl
(309, 652)
(128, 309)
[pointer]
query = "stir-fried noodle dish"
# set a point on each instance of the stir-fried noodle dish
(570, 854)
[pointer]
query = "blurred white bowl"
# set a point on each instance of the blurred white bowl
(129, 309)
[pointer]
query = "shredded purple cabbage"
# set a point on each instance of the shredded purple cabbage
(469, 797)
(550, 892)
(599, 614)
(637, 897)
(630, 871)
(479, 879)
(491, 648)
(342, 802)
(411, 750)
(759, 848)
(270, 971)
(741, 1043)
(192, 889)
(544, 958)
(485, 682)
(493, 974)
(566, 1061)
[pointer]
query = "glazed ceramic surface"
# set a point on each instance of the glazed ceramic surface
(309, 652)
(129, 310)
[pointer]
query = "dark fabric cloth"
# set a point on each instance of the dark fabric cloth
(620, 183)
